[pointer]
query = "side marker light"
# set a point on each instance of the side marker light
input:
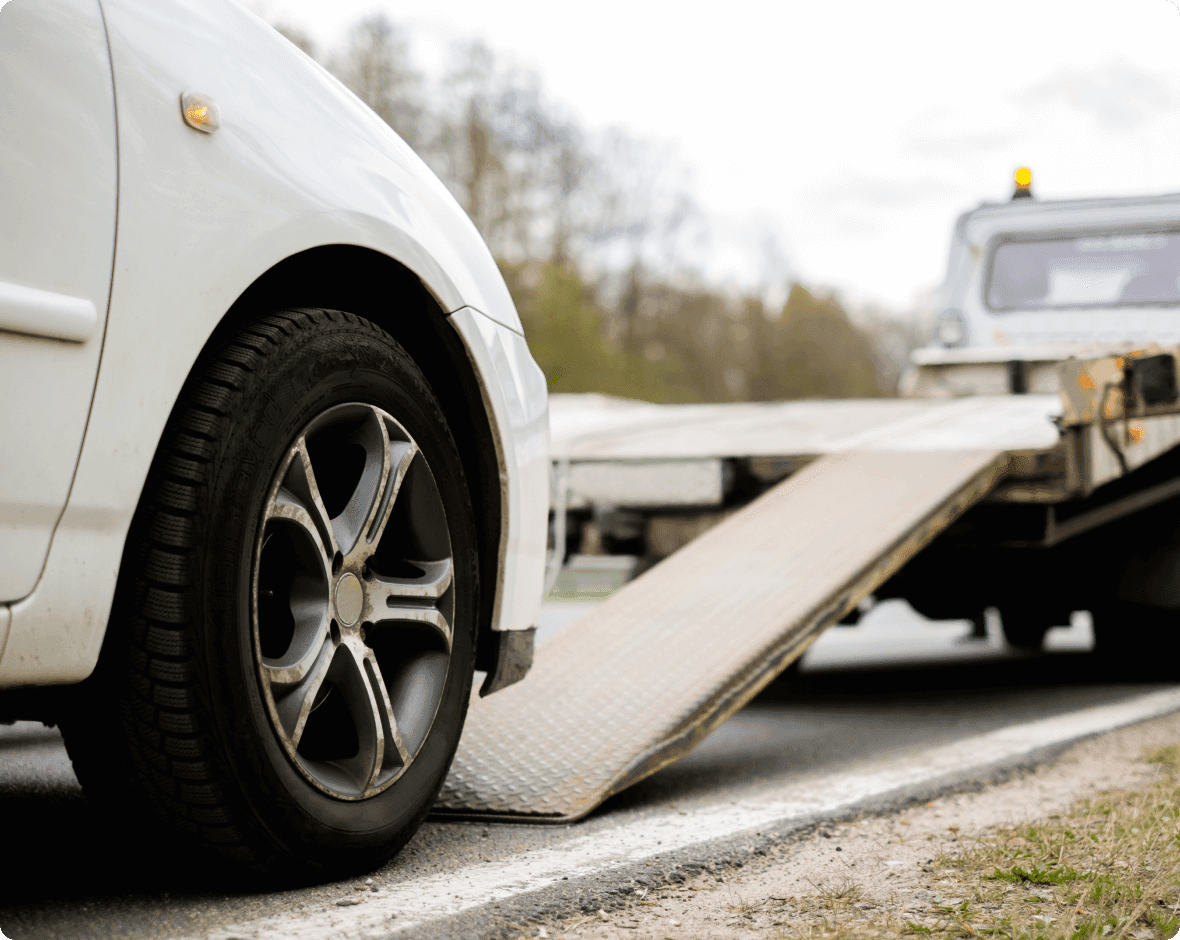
(200, 112)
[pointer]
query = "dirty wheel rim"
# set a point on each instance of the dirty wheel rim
(353, 601)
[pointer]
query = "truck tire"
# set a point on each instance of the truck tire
(1024, 627)
(1136, 642)
(290, 654)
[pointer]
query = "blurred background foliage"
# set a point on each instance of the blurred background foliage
(592, 234)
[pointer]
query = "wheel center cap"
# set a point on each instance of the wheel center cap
(350, 599)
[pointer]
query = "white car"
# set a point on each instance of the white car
(273, 451)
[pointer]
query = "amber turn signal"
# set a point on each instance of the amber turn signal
(200, 112)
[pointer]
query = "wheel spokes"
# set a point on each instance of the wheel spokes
(296, 690)
(362, 522)
(294, 666)
(380, 743)
(296, 556)
(298, 500)
(414, 600)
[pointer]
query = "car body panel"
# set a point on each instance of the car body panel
(298, 162)
(517, 397)
(57, 241)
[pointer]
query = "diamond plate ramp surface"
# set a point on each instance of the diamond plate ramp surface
(646, 675)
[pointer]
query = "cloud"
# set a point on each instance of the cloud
(883, 193)
(952, 145)
(947, 132)
(1118, 96)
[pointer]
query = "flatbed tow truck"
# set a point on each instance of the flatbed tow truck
(758, 526)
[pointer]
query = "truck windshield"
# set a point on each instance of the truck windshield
(1094, 271)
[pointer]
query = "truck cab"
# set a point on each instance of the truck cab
(1033, 282)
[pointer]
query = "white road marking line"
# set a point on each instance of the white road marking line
(413, 903)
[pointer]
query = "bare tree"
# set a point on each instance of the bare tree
(493, 147)
(376, 67)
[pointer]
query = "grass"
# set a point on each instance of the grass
(1108, 868)
(742, 907)
(840, 896)
(1036, 876)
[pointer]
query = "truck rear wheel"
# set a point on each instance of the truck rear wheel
(1136, 642)
(1024, 628)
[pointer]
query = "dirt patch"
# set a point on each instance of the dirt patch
(995, 862)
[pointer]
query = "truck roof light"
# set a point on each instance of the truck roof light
(1023, 184)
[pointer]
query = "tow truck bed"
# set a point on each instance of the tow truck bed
(643, 677)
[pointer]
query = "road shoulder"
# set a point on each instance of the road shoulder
(874, 875)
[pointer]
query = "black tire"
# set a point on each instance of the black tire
(1024, 628)
(180, 714)
(1136, 642)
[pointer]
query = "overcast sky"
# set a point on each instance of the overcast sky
(854, 131)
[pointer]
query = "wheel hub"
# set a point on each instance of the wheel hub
(350, 598)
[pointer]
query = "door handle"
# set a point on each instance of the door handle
(42, 313)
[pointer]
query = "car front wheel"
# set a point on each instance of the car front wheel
(290, 653)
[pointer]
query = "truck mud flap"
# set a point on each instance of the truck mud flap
(645, 676)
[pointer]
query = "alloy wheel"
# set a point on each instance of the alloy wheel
(353, 601)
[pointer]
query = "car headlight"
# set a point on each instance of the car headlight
(950, 329)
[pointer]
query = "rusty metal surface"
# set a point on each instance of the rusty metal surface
(642, 678)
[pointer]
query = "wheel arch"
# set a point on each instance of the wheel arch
(381, 289)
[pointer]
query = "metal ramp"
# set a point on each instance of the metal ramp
(645, 676)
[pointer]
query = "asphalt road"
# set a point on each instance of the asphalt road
(891, 685)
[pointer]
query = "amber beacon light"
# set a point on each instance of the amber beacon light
(200, 112)
(1023, 184)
